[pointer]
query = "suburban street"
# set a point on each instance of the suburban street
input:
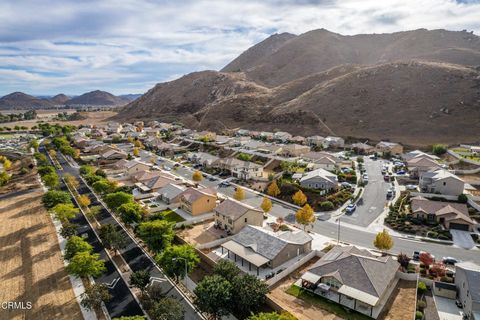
(133, 255)
(357, 235)
(122, 302)
(373, 200)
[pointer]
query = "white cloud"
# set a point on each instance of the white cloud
(131, 44)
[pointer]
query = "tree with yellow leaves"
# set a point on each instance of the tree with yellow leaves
(71, 181)
(7, 164)
(197, 176)
(383, 241)
(273, 189)
(239, 194)
(130, 140)
(136, 152)
(83, 200)
(138, 144)
(266, 205)
(52, 153)
(299, 198)
(76, 153)
(305, 216)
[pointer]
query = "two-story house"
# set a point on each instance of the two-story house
(441, 181)
(232, 215)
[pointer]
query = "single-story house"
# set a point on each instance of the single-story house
(203, 158)
(232, 215)
(131, 167)
(262, 248)
(467, 280)
(319, 179)
(389, 147)
(156, 183)
(363, 148)
(197, 201)
(417, 153)
(354, 278)
(112, 154)
(441, 181)
(282, 136)
(451, 214)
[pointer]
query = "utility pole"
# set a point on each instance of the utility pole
(338, 231)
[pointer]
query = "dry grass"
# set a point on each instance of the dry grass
(93, 118)
(32, 266)
(402, 301)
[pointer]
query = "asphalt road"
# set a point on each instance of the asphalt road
(373, 200)
(354, 236)
(122, 302)
(132, 253)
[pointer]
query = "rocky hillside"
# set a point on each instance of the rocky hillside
(59, 99)
(98, 98)
(417, 87)
(20, 100)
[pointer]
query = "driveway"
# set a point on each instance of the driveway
(447, 310)
(462, 239)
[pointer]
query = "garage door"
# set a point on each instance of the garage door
(459, 226)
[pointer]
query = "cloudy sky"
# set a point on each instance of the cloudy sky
(126, 46)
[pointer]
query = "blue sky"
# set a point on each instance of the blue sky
(127, 46)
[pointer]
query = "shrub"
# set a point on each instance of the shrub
(418, 315)
(463, 198)
(327, 205)
(422, 287)
(421, 305)
(446, 279)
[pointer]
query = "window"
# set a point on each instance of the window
(245, 219)
(444, 183)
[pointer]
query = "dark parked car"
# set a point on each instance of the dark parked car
(270, 275)
(449, 260)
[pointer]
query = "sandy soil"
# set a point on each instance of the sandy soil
(32, 268)
(93, 118)
(200, 233)
(402, 301)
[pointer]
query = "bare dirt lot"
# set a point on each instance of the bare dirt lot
(32, 268)
(92, 118)
(402, 301)
(200, 233)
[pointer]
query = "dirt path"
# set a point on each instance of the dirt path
(32, 268)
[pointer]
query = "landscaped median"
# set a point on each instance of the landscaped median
(325, 304)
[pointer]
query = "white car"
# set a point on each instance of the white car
(365, 177)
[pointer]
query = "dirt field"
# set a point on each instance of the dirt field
(93, 118)
(200, 233)
(402, 301)
(298, 307)
(32, 266)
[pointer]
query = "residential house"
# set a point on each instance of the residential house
(421, 164)
(441, 181)
(294, 150)
(170, 194)
(452, 215)
(333, 142)
(197, 201)
(232, 215)
(393, 148)
(158, 182)
(243, 132)
(467, 280)
(222, 140)
(262, 248)
(320, 179)
(316, 141)
(417, 153)
(265, 135)
(297, 139)
(363, 148)
(203, 158)
(240, 169)
(131, 167)
(113, 127)
(112, 154)
(354, 278)
(254, 145)
(282, 136)
(322, 160)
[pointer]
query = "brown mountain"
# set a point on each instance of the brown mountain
(20, 100)
(98, 98)
(416, 87)
(59, 99)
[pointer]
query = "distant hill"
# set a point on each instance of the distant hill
(20, 100)
(130, 97)
(59, 99)
(417, 87)
(97, 98)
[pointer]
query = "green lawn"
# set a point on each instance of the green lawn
(327, 305)
(172, 216)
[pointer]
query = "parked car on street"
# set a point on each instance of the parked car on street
(411, 187)
(351, 208)
(224, 184)
(365, 178)
(390, 193)
(449, 260)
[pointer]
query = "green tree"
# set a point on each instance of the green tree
(157, 234)
(213, 295)
(167, 308)
(174, 258)
(226, 269)
(44, 170)
(93, 212)
(383, 241)
(85, 264)
(112, 238)
(34, 144)
(87, 169)
(272, 316)
(104, 186)
(140, 279)
(41, 159)
(75, 245)
(327, 205)
(249, 293)
(131, 212)
(94, 295)
(64, 211)
(68, 229)
(116, 199)
(51, 180)
(53, 197)
(439, 149)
